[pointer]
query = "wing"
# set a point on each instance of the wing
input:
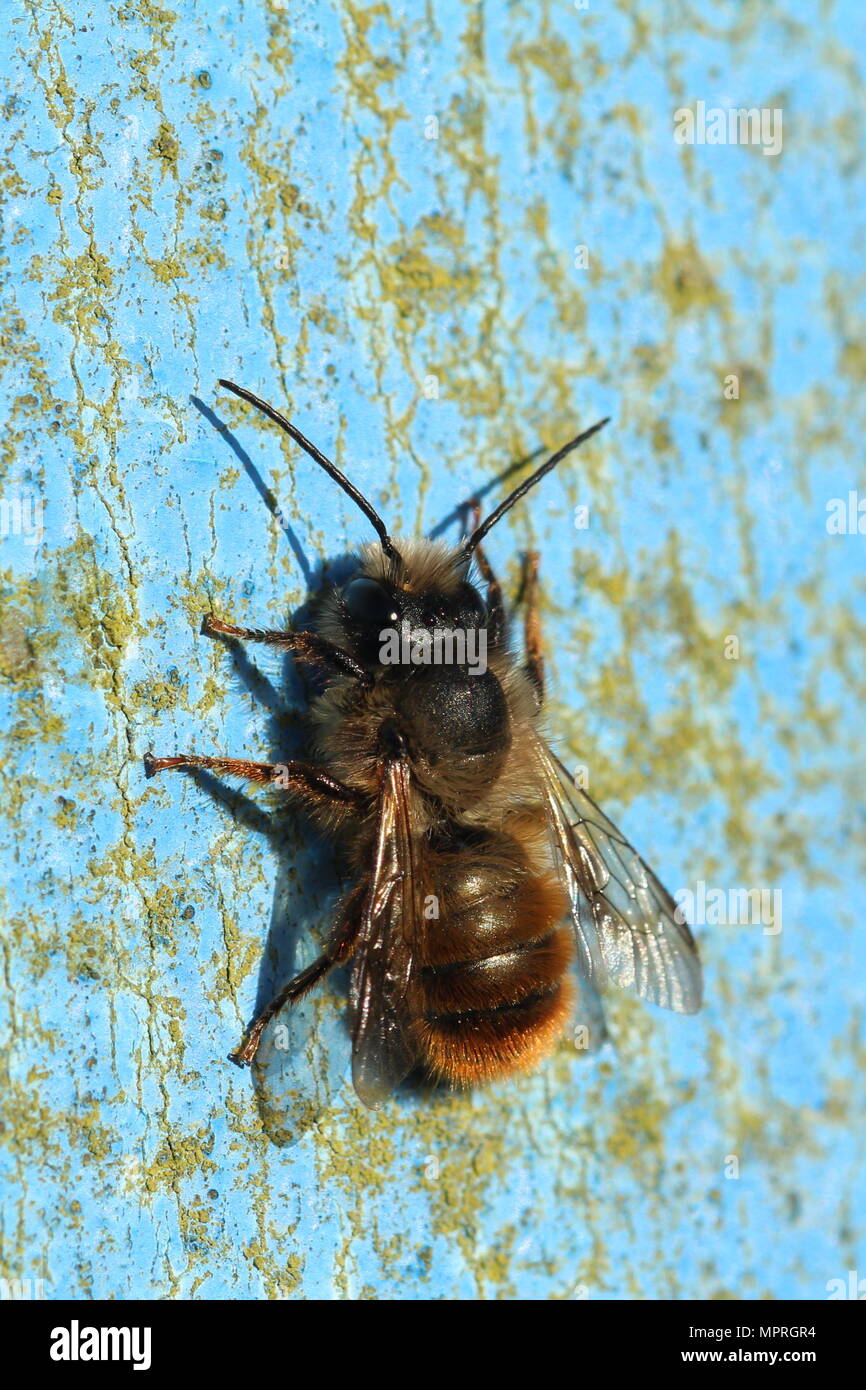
(629, 930)
(389, 942)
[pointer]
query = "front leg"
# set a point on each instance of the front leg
(307, 646)
(495, 603)
(313, 785)
(532, 625)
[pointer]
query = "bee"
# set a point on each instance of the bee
(481, 873)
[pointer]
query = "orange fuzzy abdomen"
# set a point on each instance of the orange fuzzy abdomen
(494, 993)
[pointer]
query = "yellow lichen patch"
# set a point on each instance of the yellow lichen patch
(686, 282)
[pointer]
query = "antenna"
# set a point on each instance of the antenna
(521, 490)
(330, 468)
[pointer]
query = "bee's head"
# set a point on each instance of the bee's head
(425, 591)
(419, 585)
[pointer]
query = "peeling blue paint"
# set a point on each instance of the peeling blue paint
(251, 193)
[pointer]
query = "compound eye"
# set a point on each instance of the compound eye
(471, 606)
(369, 604)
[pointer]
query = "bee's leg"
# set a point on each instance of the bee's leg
(307, 646)
(289, 994)
(494, 590)
(532, 624)
(314, 785)
(339, 950)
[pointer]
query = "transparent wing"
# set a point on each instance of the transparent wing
(588, 1024)
(383, 1049)
(628, 929)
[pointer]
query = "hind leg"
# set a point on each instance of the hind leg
(339, 950)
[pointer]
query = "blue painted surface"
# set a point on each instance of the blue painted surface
(251, 193)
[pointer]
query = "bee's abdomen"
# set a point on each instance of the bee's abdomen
(494, 991)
